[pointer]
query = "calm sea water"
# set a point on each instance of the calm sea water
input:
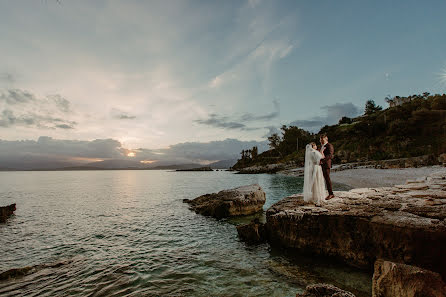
(127, 233)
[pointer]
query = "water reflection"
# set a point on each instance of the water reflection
(128, 233)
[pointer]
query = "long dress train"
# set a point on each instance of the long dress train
(314, 183)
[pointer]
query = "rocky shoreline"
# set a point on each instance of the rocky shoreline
(292, 170)
(404, 224)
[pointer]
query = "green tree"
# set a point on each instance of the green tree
(274, 141)
(345, 120)
(371, 107)
(254, 152)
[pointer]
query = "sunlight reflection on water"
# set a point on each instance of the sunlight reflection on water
(127, 233)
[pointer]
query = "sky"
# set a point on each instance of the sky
(142, 79)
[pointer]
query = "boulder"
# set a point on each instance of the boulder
(6, 212)
(394, 279)
(405, 224)
(243, 200)
(324, 290)
(253, 232)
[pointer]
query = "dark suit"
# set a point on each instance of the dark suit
(326, 165)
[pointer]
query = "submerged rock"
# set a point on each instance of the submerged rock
(6, 212)
(243, 200)
(405, 224)
(17, 272)
(394, 279)
(253, 232)
(324, 290)
(22, 271)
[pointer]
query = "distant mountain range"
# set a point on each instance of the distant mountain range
(117, 164)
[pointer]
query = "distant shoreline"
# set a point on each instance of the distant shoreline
(97, 169)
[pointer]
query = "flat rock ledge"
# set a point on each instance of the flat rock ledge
(243, 200)
(404, 224)
(6, 212)
(395, 279)
(324, 290)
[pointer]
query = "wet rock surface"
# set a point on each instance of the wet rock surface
(253, 232)
(394, 279)
(405, 224)
(6, 212)
(324, 290)
(243, 200)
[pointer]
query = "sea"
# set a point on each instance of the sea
(128, 233)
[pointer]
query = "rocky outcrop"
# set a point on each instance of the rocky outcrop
(393, 279)
(404, 223)
(324, 290)
(253, 232)
(244, 200)
(6, 212)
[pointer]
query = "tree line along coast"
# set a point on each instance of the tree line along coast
(410, 127)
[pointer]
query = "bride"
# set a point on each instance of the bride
(314, 183)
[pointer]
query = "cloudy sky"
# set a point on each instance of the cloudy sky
(159, 75)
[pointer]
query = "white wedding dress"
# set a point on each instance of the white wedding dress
(314, 183)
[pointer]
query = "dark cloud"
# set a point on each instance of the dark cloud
(64, 126)
(9, 119)
(48, 152)
(121, 115)
(314, 122)
(225, 122)
(126, 117)
(22, 108)
(198, 151)
(248, 117)
(332, 115)
(16, 96)
(339, 110)
(61, 103)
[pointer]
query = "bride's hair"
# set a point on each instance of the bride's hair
(312, 144)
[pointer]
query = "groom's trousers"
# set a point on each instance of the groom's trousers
(326, 172)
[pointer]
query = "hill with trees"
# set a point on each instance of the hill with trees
(411, 126)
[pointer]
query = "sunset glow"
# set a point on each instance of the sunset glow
(131, 154)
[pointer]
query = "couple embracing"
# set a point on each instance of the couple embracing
(317, 172)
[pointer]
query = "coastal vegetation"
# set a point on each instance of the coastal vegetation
(411, 126)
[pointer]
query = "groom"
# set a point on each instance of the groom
(328, 150)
